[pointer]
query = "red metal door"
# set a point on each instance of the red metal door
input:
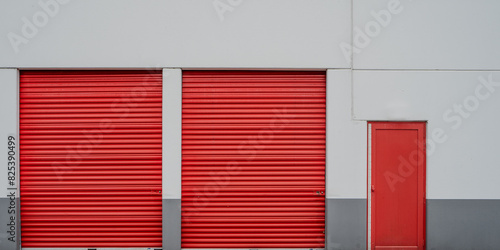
(397, 187)
(91, 158)
(253, 159)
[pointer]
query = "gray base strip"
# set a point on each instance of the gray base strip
(9, 224)
(345, 224)
(171, 224)
(451, 224)
(463, 224)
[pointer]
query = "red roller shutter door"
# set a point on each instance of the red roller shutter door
(91, 158)
(253, 159)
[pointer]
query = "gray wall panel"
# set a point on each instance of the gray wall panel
(9, 239)
(346, 224)
(171, 224)
(463, 224)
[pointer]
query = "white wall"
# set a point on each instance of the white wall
(463, 123)
(429, 34)
(9, 120)
(172, 133)
(346, 141)
(421, 34)
(178, 33)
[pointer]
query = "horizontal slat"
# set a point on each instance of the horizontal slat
(253, 157)
(92, 234)
(252, 89)
(256, 100)
(122, 240)
(77, 167)
(191, 223)
(88, 162)
(238, 145)
(92, 135)
(98, 173)
(92, 120)
(252, 163)
(62, 182)
(252, 137)
(69, 208)
(201, 108)
(228, 204)
(95, 199)
(115, 105)
(82, 220)
(249, 111)
(114, 142)
(255, 183)
(104, 157)
(100, 109)
(91, 213)
(221, 199)
(288, 239)
(188, 231)
(109, 114)
(89, 137)
(260, 176)
(231, 237)
(90, 94)
(264, 172)
(252, 245)
(90, 150)
(103, 242)
(103, 128)
(287, 128)
(236, 221)
(121, 228)
(96, 88)
(278, 118)
(251, 150)
(230, 195)
(104, 101)
(270, 123)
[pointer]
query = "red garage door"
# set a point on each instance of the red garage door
(91, 158)
(253, 168)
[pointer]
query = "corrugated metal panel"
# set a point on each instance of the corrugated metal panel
(253, 159)
(91, 151)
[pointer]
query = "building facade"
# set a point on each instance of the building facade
(250, 124)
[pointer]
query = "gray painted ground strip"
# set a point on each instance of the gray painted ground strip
(345, 224)
(463, 224)
(171, 224)
(7, 236)
(451, 224)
